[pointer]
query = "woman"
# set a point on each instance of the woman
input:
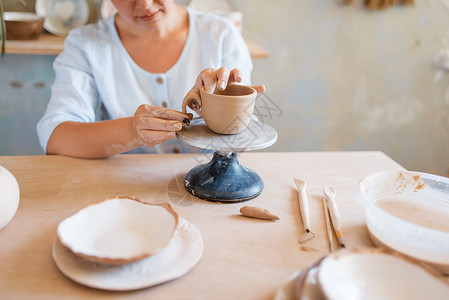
(147, 57)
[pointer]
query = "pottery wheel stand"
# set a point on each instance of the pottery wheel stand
(224, 179)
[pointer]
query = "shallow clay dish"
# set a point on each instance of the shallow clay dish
(118, 231)
(408, 212)
(377, 274)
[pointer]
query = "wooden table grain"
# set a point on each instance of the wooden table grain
(243, 258)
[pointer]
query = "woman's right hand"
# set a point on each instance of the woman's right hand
(153, 125)
(220, 78)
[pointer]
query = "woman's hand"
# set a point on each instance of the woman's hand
(220, 78)
(153, 125)
(149, 126)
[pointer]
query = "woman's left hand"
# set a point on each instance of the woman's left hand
(220, 78)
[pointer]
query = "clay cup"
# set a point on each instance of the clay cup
(226, 111)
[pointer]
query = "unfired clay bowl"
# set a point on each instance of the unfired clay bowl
(225, 112)
(23, 25)
(119, 230)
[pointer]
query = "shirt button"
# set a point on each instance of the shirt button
(159, 80)
(164, 104)
(176, 150)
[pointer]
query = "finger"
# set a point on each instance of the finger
(198, 84)
(222, 78)
(163, 113)
(259, 88)
(235, 76)
(206, 78)
(149, 123)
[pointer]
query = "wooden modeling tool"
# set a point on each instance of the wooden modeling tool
(329, 193)
(383, 4)
(304, 209)
(328, 225)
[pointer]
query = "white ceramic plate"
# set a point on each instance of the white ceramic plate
(374, 274)
(119, 230)
(180, 256)
(62, 15)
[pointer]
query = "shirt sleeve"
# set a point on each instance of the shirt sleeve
(74, 96)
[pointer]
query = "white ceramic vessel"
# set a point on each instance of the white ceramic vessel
(409, 212)
(119, 230)
(9, 196)
(62, 15)
(373, 274)
(177, 259)
(302, 285)
(365, 274)
(287, 291)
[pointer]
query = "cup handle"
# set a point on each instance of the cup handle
(192, 100)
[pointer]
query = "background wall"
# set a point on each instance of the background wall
(339, 78)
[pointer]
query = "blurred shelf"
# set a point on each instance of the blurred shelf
(48, 44)
(256, 51)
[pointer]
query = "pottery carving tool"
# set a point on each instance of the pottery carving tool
(304, 209)
(329, 193)
(328, 225)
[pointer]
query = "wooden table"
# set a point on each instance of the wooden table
(243, 258)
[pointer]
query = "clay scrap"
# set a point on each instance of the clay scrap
(258, 213)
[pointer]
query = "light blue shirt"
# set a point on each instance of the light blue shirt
(97, 79)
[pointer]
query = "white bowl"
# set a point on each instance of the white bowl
(119, 230)
(62, 15)
(409, 212)
(372, 274)
(307, 285)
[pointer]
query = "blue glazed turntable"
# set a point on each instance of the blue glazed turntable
(224, 179)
